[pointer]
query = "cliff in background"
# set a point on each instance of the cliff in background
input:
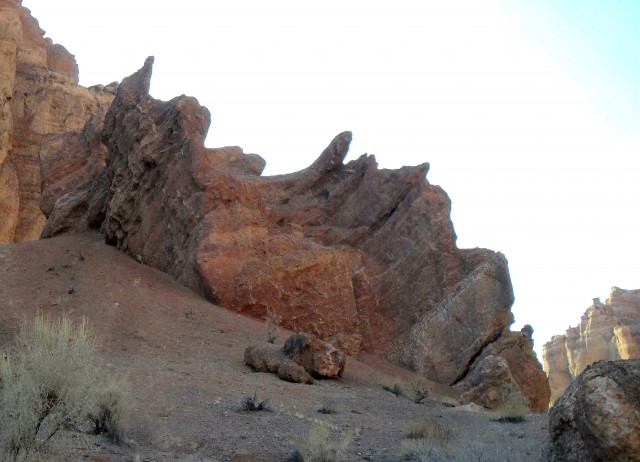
(39, 97)
(607, 331)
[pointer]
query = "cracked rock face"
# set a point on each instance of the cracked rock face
(607, 331)
(334, 249)
(39, 97)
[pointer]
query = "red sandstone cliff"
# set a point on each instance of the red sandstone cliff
(39, 97)
(335, 248)
(607, 331)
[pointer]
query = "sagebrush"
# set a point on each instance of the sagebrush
(50, 385)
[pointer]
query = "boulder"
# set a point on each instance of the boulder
(293, 372)
(607, 331)
(598, 416)
(262, 359)
(316, 356)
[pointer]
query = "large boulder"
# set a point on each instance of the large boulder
(607, 331)
(39, 97)
(316, 356)
(333, 249)
(598, 416)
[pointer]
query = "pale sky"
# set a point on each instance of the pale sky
(528, 111)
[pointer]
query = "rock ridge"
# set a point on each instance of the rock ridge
(334, 249)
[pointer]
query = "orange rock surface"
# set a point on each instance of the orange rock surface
(39, 96)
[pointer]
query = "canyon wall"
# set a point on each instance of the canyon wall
(607, 331)
(39, 97)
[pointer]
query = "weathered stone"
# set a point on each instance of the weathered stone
(39, 96)
(607, 331)
(293, 372)
(598, 416)
(316, 356)
(334, 249)
(261, 359)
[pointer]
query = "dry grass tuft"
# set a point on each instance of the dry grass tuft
(394, 386)
(329, 406)
(273, 322)
(514, 409)
(322, 445)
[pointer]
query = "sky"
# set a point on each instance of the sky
(528, 111)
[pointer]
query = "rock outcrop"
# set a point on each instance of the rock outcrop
(607, 331)
(334, 249)
(39, 97)
(598, 416)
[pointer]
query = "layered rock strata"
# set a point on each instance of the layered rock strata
(39, 97)
(607, 331)
(334, 249)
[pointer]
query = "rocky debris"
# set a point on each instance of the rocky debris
(334, 249)
(598, 416)
(39, 97)
(607, 331)
(316, 356)
(293, 372)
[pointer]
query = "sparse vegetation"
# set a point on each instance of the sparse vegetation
(329, 407)
(421, 389)
(514, 409)
(394, 386)
(427, 440)
(111, 410)
(253, 403)
(322, 445)
(273, 322)
(50, 385)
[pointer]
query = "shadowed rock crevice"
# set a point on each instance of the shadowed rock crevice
(334, 249)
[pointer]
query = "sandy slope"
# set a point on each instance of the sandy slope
(183, 358)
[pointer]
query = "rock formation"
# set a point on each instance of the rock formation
(39, 97)
(598, 416)
(334, 249)
(607, 331)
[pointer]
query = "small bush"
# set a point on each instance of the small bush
(431, 431)
(329, 407)
(49, 385)
(273, 322)
(111, 410)
(253, 403)
(321, 445)
(421, 389)
(514, 409)
(393, 386)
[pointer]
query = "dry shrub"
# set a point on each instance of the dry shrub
(514, 409)
(253, 403)
(322, 445)
(110, 414)
(273, 322)
(421, 389)
(49, 385)
(394, 386)
(431, 431)
(329, 406)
